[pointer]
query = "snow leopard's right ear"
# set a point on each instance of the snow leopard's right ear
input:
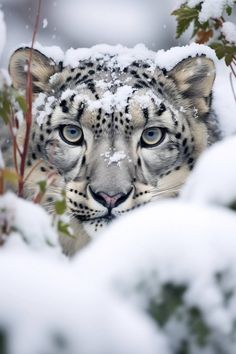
(42, 68)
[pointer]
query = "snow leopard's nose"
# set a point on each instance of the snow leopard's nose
(110, 201)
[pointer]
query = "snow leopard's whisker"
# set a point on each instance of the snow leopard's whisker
(156, 192)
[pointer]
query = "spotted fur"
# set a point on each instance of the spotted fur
(111, 171)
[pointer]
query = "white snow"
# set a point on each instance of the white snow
(29, 220)
(229, 31)
(42, 106)
(112, 157)
(143, 251)
(169, 58)
(123, 56)
(45, 23)
(44, 302)
(54, 52)
(213, 178)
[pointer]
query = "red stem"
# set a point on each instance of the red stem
(28, 115)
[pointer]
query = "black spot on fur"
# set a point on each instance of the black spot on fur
(178, 135)
(80, 110)
(164, 71)
(146, 113)
(190, 161)
(77, 76)
(162, 109)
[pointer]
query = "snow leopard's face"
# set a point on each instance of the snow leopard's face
(114, 138)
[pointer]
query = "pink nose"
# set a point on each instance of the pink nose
(110, 201)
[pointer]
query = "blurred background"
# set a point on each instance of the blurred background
(83, 23)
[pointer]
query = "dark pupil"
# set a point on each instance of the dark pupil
(72, 131)
(151, 134)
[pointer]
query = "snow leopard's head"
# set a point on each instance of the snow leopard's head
(117, 136)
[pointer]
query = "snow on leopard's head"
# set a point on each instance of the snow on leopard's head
(117, 130)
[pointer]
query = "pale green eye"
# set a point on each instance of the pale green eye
(71, 134)
(152, 136)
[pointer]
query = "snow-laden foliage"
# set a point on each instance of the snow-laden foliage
(30, 221)
(210, 8)
(209, 25)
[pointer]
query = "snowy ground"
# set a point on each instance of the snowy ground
(104, 300)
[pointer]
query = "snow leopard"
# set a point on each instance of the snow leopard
(113, 134)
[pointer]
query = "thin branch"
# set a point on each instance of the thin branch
(28, 115)
(232, 85)
(32, 170)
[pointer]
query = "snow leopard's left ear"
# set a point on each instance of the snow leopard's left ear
(42, 68)
(194, 78)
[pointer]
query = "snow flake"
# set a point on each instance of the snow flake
(45, 23)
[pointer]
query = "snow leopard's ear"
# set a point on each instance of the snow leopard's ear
(194, 78)
(42, 68)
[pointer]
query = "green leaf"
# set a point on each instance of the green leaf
(228, 59)
(64, 228)
(10, 176)
(198, 327)
(228, 10)
(42, 186)
(224, 51)
(4, 116)
(219, 49)
(185, 16)
(170, 299)
(60, 206)
(5, 107)
(22, 103)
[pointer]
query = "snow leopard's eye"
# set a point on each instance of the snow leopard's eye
(71, 134)
(152, 136)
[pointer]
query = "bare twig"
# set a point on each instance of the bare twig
(232, 85)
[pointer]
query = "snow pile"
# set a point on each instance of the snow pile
(178, 273)
(123, 56)
(169, 58)
(215, 185)
(131, 291)
(29, 221)
(47, 308)
(210, 8)
(119, 56)
(229, 31)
